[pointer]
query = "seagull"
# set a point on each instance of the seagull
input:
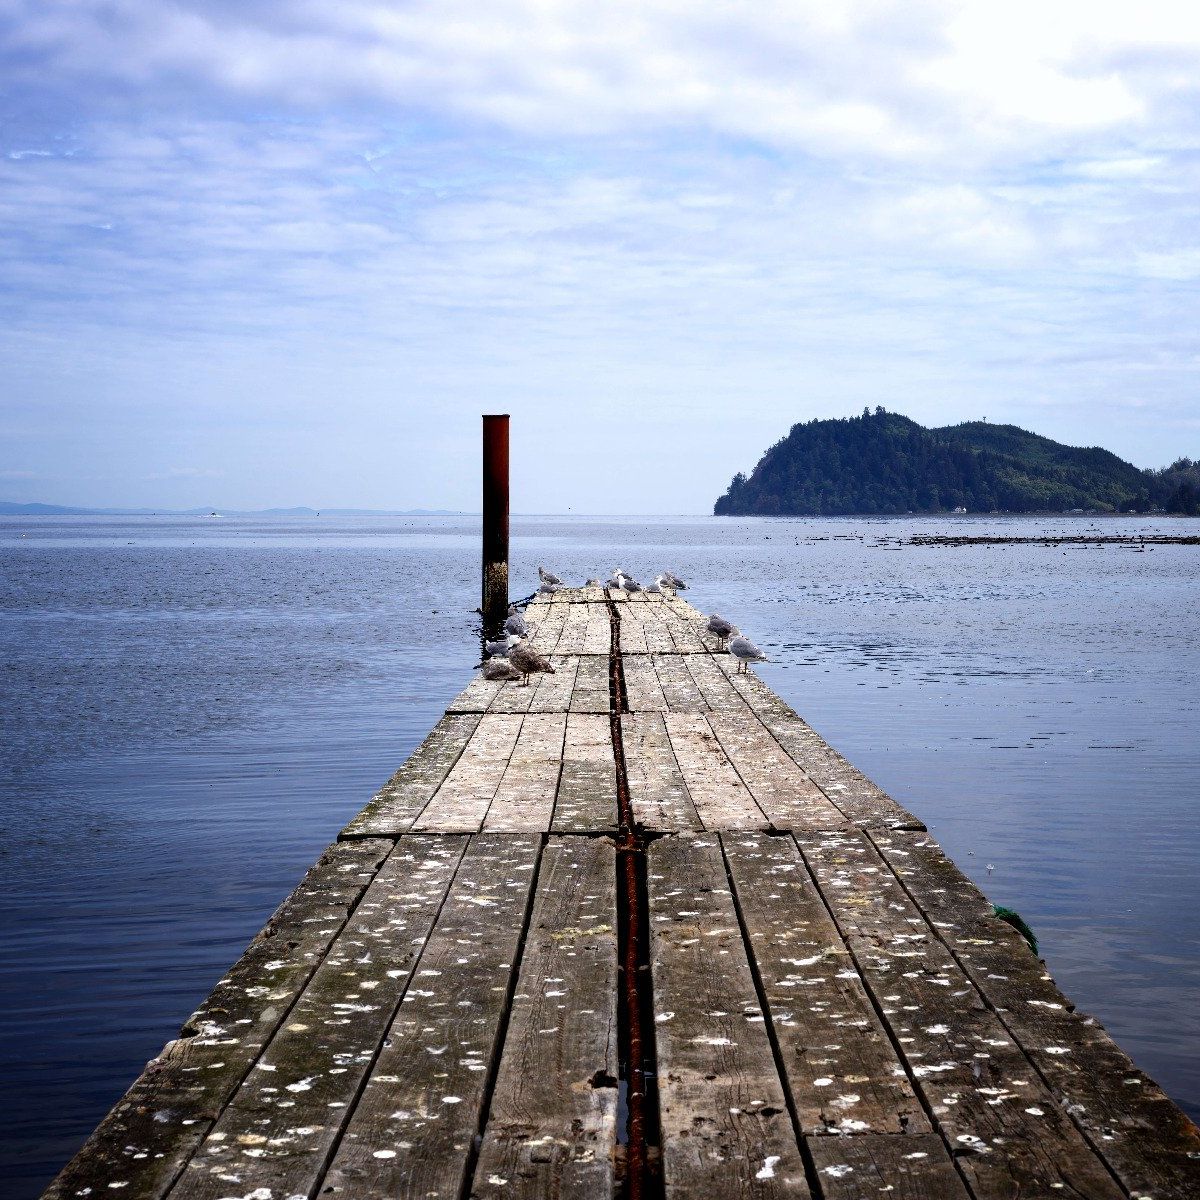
(655, 589)
(722, 628)
(746, 652)
(548, 576)
(617, 579)
(516, 622)
(630, 585)
(674, 581)
(500, 668)
(500, 646)
(548, 589)
(529, 662)
(593, 583)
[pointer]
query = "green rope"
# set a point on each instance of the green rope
(1014, 919)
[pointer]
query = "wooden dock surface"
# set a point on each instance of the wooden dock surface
(444, 1007)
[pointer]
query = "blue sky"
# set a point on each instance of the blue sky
(263, 254)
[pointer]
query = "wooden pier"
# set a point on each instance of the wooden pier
(636, 929)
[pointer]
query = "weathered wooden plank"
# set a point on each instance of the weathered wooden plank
(678, 686)
(683, 613)
(570, 640)
(864, 802)
(842, 1072)
(147, 1138)
(552, 1126)
(785, 794)
(462, 801)
(633, 633)
(871, 1165)
(657, 793)
(392, 810)
(524, 801)
(1009, 1135)
(554, 692)
(714, 685)
(721, 799)
(587, 630)
(476, 696)
(656, 630)
(587, 788)
(1152, 1148)
(279, 1128)
(726, 1130)
(683, 633)
(591, 694)
(547, 627)
(642, 688)
(410, 1135)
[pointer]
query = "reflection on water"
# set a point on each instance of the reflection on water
(192, 708)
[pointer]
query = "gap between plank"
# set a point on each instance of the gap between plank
(638, 1059)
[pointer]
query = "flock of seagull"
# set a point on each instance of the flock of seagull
(511, 657)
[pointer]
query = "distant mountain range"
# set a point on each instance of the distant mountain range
(10, 509)
(882, 463)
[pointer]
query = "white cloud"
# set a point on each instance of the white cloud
(884, 77)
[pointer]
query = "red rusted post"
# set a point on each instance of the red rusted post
(495, 521)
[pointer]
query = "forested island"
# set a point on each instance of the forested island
(882, 462)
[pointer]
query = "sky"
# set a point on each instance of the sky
(257, 254)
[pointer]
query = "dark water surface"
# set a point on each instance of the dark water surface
(191, 709)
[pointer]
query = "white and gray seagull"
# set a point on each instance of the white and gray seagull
(746, 652)
(722, 628)
(501, 646)
(549, 577)
(516, 622)
(674, 581)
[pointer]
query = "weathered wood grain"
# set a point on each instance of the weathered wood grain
(721, 799)
(1008, 1134)
(547, 626)
(726, 1130)
(591, 694)
(587, 788)
(657, 793)
(656, 631)
(632, 636)
(552, 1130)
(678, 686)
(714, 685)
(148, 1137)
(587, 630)
(842, 1072)
(392, 810)
(462, 801)
(1152, 1148)
(684, 633)
(642, 688)
(864, 802)
(554, 691)
(476, 696)
(524, 801)
(683, 613)
(410, 1136)
(279, 1127)
(786, 795)
(870, 1165)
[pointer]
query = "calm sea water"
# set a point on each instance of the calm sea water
(191, 709)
